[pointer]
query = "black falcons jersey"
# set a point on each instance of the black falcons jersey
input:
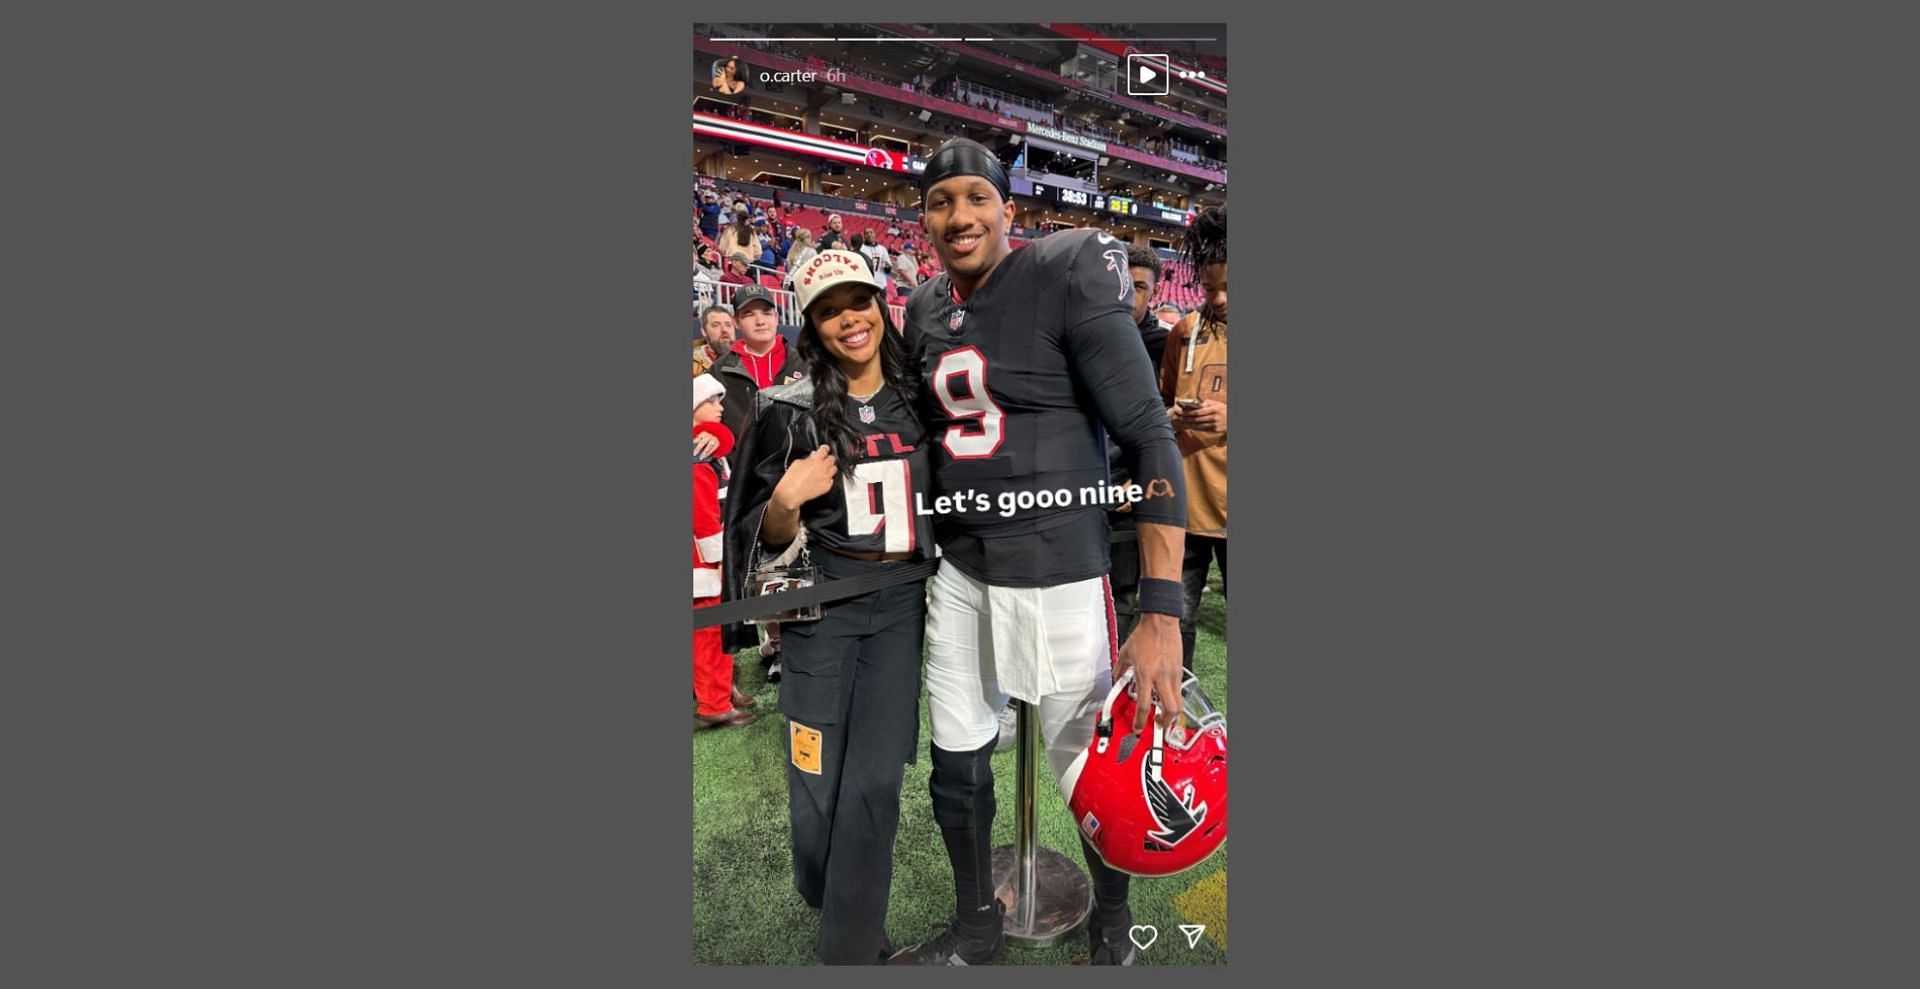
(1020, 385)
(871, 507)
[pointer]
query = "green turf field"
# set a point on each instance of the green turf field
(745, 909)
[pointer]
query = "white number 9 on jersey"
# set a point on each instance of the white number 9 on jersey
(878, 495)
(960, 382)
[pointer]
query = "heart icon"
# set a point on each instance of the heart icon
(1144, 940)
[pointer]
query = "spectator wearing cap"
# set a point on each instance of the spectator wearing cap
(760, 359)
(760, 356)
(736, 273)
(857, 671)
(834, 238)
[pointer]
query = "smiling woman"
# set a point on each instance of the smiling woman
(831, 464)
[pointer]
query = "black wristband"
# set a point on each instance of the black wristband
(1163, 597)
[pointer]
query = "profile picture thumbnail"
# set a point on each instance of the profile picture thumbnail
(729, 76)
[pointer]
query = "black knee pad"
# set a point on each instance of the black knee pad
(961, 784)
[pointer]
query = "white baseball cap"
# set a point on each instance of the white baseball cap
(827, 269)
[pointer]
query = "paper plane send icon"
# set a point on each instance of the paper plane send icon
(1193, 932)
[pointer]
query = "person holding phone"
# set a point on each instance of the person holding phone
(833, 464)
(1193, 379)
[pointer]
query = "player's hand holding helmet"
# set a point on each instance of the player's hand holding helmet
(1153, 803)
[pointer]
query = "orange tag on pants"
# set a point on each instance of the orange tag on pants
(805, 743)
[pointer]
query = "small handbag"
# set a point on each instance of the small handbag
(787, 572)
(790, 570)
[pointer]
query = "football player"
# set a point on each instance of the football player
(1028, 360)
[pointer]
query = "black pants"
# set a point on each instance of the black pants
(1201, 550)
(851, 695)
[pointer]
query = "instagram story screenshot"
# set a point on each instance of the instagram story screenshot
(959, 336)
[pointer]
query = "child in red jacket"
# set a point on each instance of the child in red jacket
(720, 702)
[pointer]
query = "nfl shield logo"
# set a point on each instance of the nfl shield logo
(953, 321)
(866, 414)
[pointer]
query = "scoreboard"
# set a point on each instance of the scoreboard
(1101, 202)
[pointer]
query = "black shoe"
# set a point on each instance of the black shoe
(1110, 938)
(773, 671)
(956, 946)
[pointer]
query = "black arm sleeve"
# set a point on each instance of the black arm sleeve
(1103, 346)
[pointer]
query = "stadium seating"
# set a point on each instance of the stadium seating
(1174, 282)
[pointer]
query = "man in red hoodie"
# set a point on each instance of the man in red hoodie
(760, 357)
(720, 702)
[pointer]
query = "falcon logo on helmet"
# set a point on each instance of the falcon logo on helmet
(1167, 813)
(1176, 815)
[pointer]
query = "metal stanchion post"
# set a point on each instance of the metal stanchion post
(1047, 894)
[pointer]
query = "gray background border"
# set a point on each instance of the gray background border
(336, 550)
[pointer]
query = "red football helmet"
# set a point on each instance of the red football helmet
(1158, 809)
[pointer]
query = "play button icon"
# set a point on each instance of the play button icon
(1147, 75)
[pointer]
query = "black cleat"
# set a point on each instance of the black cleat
(773, 672)
(955, 946)
(1111, 942)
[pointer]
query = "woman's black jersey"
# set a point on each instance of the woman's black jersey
(876, 504)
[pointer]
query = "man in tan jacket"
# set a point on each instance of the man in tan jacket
(716, 331)
(1193, 382)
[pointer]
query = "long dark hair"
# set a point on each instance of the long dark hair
(743, 229)
(830, 383)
